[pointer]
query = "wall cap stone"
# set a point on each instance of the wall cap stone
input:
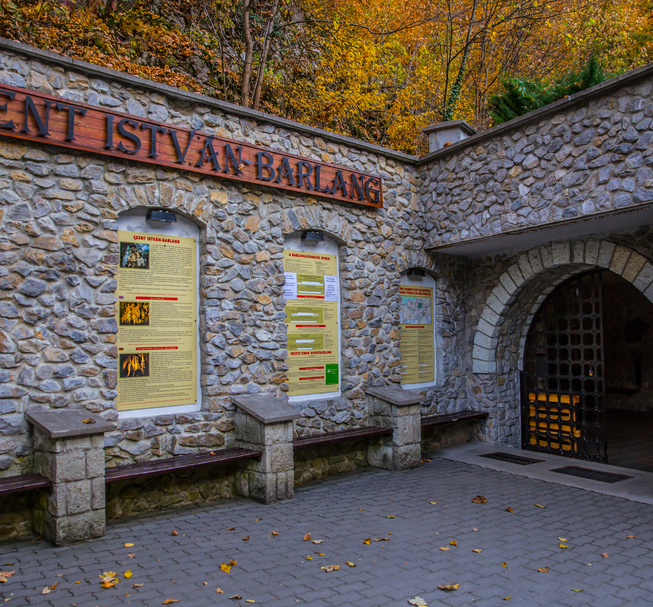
(396, 396)
(68, 424)
(266, 408)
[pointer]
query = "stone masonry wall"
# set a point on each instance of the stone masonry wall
(59, 255)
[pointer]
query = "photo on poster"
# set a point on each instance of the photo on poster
(134, 256)
(134, 365)
(134, 313)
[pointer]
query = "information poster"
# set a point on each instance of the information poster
(157, 321)
(311, 293)
(417, 335)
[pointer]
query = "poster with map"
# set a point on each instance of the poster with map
(157, 321)
(417, 344)
(311, 293)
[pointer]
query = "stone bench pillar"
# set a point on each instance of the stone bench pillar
(69, 450)
(265, 423)
(400, 410)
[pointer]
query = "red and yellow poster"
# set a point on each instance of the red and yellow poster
(311, 293)
(157, 321)
(417, 345)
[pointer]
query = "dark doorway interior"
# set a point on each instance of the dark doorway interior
(628, 334)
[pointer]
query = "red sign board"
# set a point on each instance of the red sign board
(44, 118)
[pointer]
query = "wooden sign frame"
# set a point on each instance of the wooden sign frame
(43, 118)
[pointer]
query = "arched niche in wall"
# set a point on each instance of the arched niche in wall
(418, 335)
(312, 293)
(157, 314)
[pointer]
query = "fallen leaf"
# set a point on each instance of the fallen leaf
(317, 541)
(226, 568)
(504, 564)
(434, 503)
(230, 529)
(453, 543)
(257, 519)
(250, 601)
(540, 506)
(169, 601)
(562, 546)
(507, 598)
(175, 532)
(7, 564)
(219, 591)
(127, 574)
(46, 590)
(205, 583)
(131, 556)
(389, 516)
(448, 587)
(479, 499)
(631, 537)
(474, 529)
(350, 564)
(274, 533)
(418, 601)
(109, 584)
(88, 420)
(245, 539)
(367, 541)
(233, 563)
(543, 569)
(4, 575)
(309, 558)
(128, 545)
(577, 589)
(509, 509)
(80, 581)
(236, 597)
(137, 585)
(382, 539)
(605, 555)
(330, 568)
(562, 539)
(477, 550)
(320, 553)
(307, 537)
(444, 547)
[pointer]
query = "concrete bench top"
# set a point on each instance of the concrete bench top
(266, 408)
(68, 423)
(396, 396)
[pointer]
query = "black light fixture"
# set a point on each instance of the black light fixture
(160, 215)
(416, 273)
(312, 238)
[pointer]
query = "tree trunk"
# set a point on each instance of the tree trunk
(249, 53)
(267, 41)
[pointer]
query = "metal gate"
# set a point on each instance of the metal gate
(563, 387)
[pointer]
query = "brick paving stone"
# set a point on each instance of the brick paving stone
(273, 570)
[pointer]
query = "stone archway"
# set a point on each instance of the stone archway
(546, 267)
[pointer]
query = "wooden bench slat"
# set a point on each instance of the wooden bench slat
(176, 463)
(448, 418)
(330, 438)
(23, 482)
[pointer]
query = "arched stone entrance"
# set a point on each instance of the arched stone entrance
(502, 330)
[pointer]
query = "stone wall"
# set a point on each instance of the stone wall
(59, 254)
(579, 162)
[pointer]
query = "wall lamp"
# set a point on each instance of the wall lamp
(164, 216)
(312, 238)
(416, 273)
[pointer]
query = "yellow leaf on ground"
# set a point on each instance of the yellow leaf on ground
(562, 546)
(577, 589)
(128, 545)
(507, 598)
(474, 529)
(540, 506)
(88, 420)
(477, 550)
(46, 590)
(230, 529)
(127, 574)
(307, 537)
(563, 539)
(350, 564)
(504, 564)
(631, 537)
(169, 601)
(453, 543)
(543, 569)
(226, 568)
(109, 584)
(250, 601)
(434, 503)
(309, 558)
(448, 587)
(137, 585)
(245, 539)
(236, 597)
(330, 568)
(367, 541)
(175, 532)
(317, 541)
(131, 556)
(605, 555)
(320, 553)
(389, 516)
(257, 519)
(233, 563)
(274, 533)
(444, 547)
(219, 591)
(479, 499)
(509, 509)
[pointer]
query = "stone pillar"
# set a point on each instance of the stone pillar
(69, 450)
(265, 423)
(400, 410)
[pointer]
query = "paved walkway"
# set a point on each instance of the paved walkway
(343, 512)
